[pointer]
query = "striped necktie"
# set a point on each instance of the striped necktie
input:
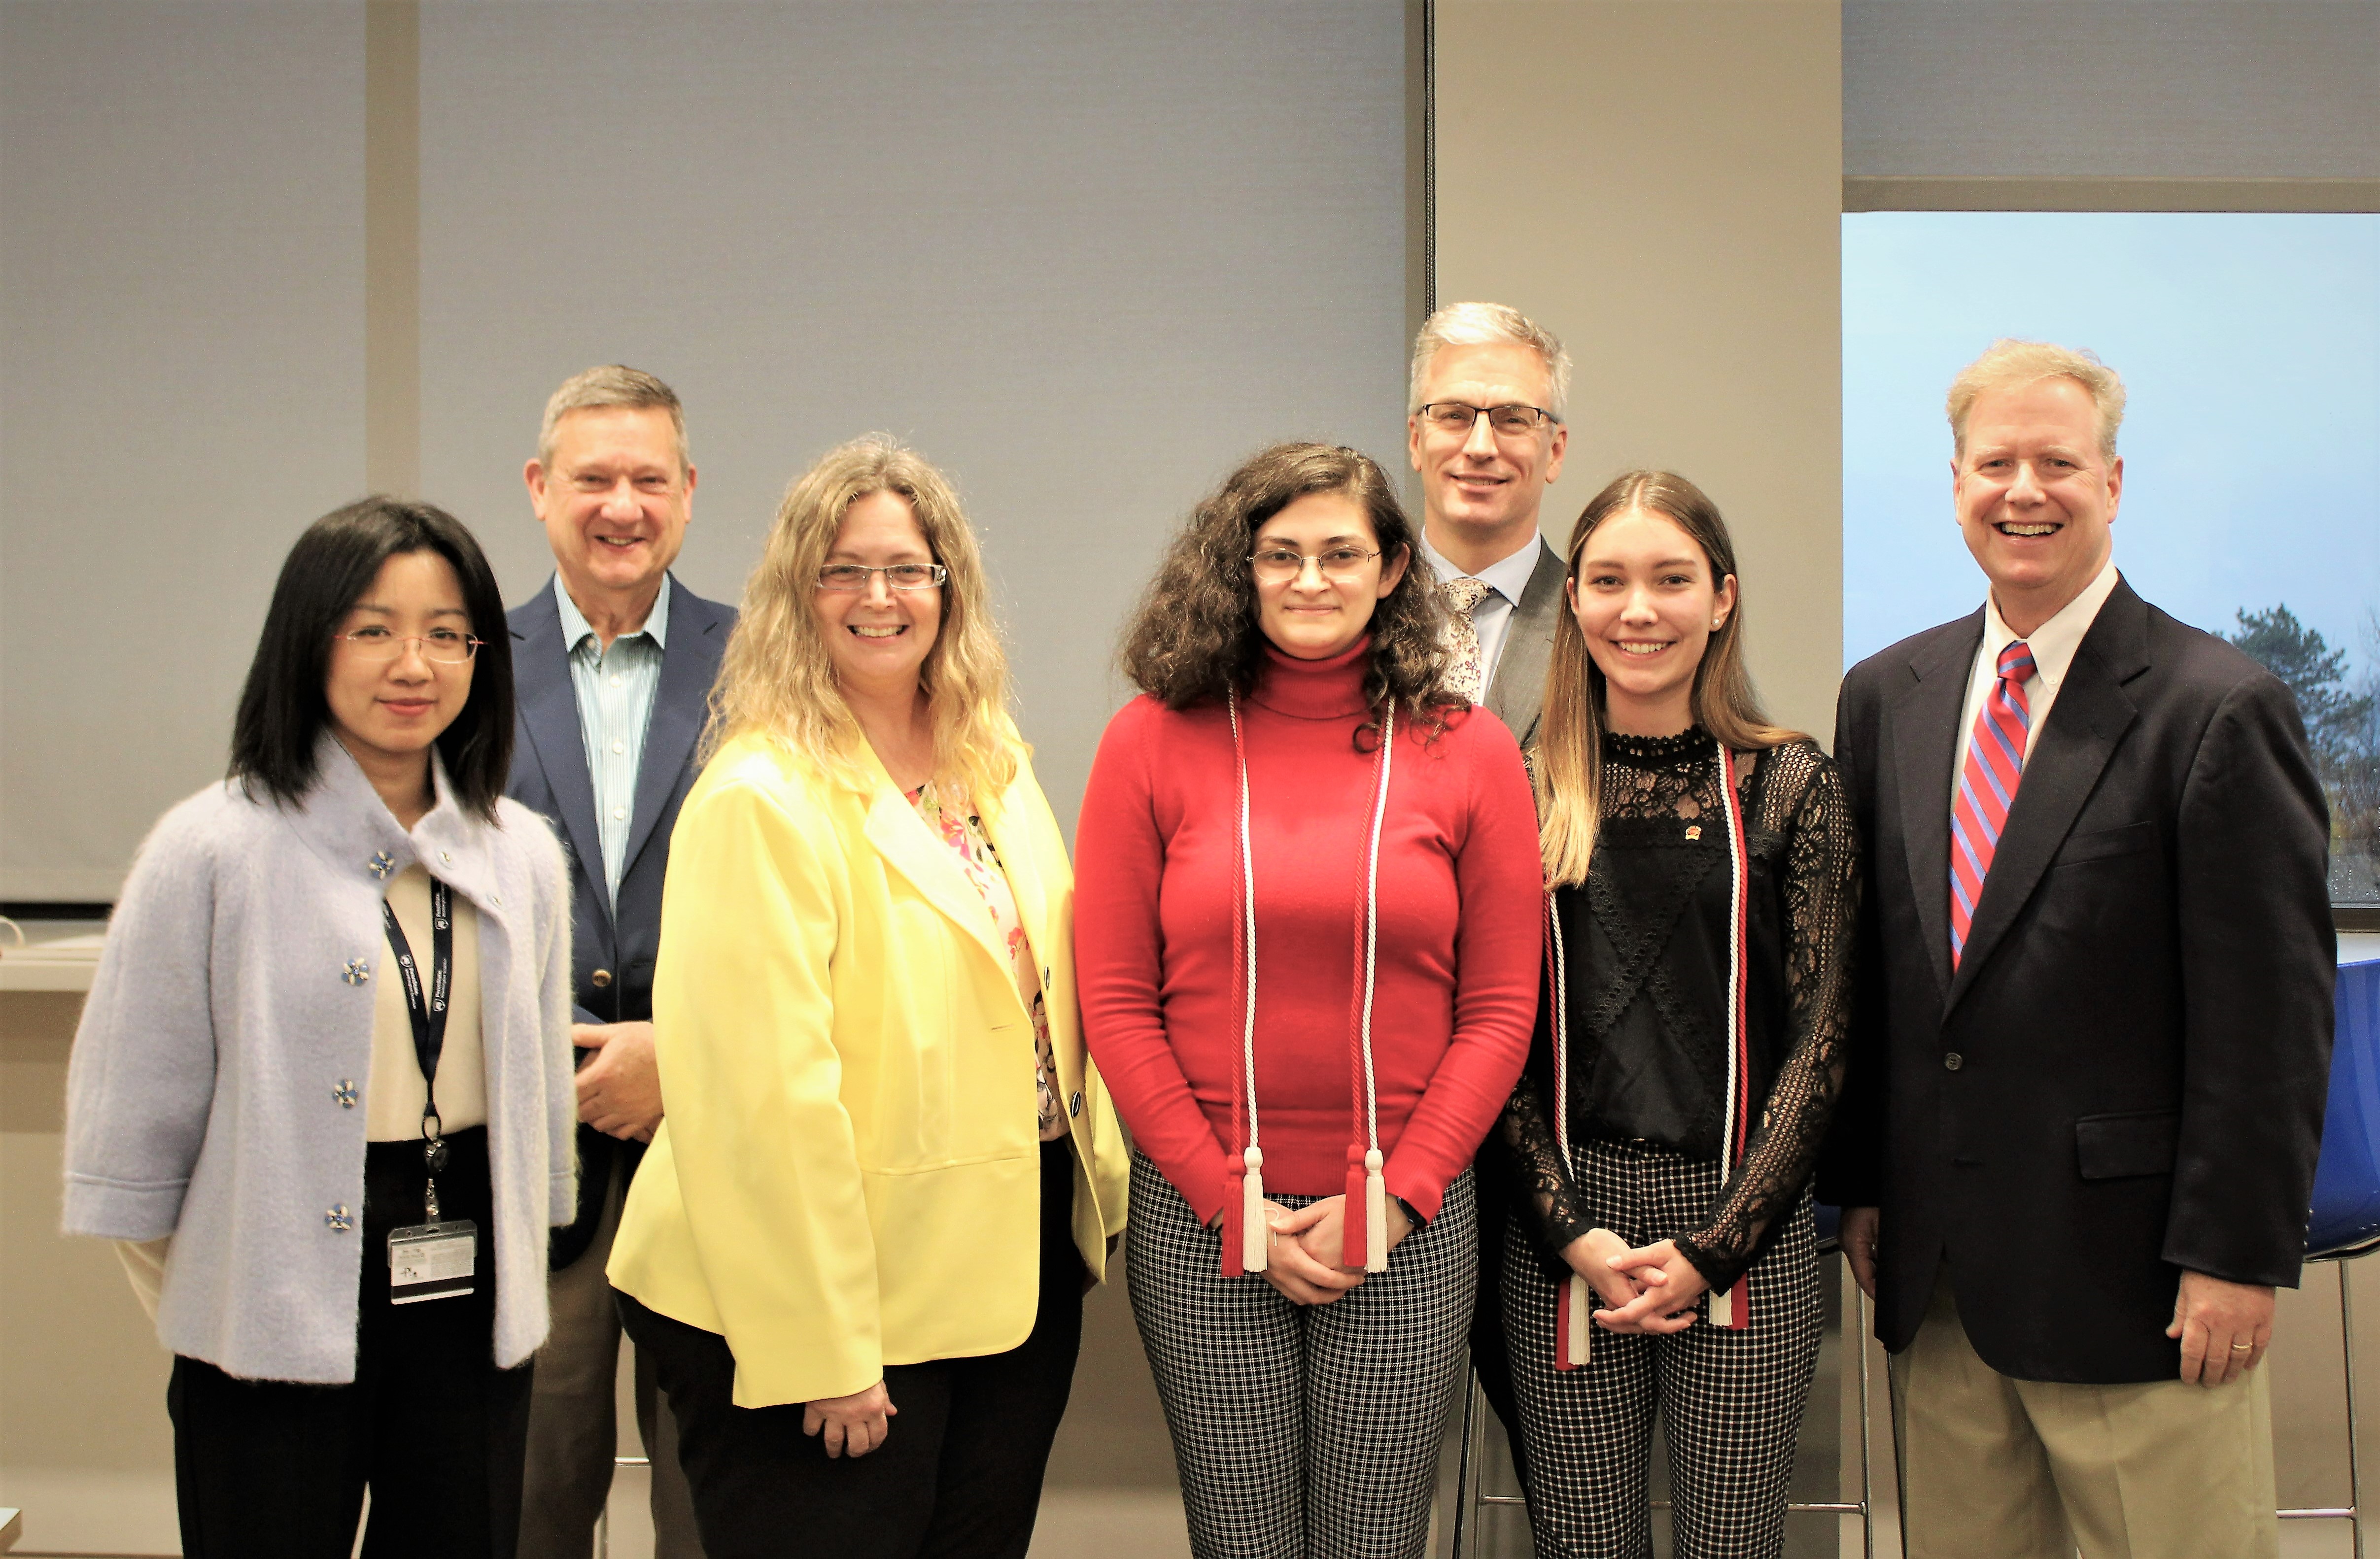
(1987, 788)
(1463, 595)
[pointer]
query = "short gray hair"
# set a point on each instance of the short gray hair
(2011, 364)
(1488, 324)
(611, 385)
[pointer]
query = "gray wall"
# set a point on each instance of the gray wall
(1084, 256)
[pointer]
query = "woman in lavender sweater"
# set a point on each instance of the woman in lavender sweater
(321, 1091)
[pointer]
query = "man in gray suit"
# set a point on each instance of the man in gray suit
(1485, 429)
(613, 663)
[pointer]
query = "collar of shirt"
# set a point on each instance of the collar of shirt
(1506, 577)
(2054, 642)
(576, 630)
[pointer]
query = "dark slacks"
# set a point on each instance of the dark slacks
(958, 1478)
(275, 1469)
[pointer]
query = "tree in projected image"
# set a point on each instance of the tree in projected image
(2342, 720)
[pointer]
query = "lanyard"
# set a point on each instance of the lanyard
(428, 1011)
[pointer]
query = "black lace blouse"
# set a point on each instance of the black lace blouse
(1646, 940)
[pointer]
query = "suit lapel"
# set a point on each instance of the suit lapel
(1519, 692)
(910, 847)
(681, 704)
(1925, 743)
(2090, 717)
(548, 709)
(1025, 884)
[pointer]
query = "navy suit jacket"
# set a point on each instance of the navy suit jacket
(2125, 1075)
(612, 952)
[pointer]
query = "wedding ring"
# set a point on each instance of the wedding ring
(2241, 1348)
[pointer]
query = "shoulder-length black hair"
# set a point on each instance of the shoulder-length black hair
(283, 709)
(1195, 635)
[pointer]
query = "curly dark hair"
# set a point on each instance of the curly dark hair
(1195, 633)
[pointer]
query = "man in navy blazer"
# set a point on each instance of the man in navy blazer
(613, 663)
(2091, 1034)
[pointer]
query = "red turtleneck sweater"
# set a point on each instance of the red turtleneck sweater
(1456, 985)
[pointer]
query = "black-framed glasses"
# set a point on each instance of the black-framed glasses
(899, 576)
(1276, 564)
(1456, 419)
(447, 647)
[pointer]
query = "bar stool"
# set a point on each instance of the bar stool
(603, 1521)
(1470, 1497)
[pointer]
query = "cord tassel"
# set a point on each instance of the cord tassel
(1234, 1216)
(1376, 1214)
(1572, 1304)
(1357, 1240)
(1254, 1230)
(1732, 1309)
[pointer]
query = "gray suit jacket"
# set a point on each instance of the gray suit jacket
(1519, 690)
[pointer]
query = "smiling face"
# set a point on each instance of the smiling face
(388, 711)
(877, 638)
(1316, 615)
(1645, 599)
(1479, 490)
(2035, 496)
(614, 501)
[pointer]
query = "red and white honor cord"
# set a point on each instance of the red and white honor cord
(1574, 1301)
(1244, 1228)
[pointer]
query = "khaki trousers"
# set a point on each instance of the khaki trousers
(573, 1423)
(1998, 1468)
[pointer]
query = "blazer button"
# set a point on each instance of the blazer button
(1074, 1105)
(339, 1220)
(1953, 1061)
(346, 1093)
(601, 979)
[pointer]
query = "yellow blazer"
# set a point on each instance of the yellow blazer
(848, 1175)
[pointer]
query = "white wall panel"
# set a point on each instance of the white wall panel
(181, 377)
(1084, 256)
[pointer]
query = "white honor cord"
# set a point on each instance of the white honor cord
(1734, 957)
(1253, 1246)
(1371, 930)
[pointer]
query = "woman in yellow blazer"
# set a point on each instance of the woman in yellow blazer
(858, 1247)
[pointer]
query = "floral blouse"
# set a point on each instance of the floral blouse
(962, 831)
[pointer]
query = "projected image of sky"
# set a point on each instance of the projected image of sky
(2251, 348)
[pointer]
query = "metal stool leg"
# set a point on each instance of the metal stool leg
(2352, 1511)
(604, 1516)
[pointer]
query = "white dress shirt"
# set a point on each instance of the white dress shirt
(1492, 618)
(2053, 646)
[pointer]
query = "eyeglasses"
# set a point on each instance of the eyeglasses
(446, 646)
(1275, 565)
(1457, 418)
(900, 576)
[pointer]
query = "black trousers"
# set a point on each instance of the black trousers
(275, 1469)
(958, 1478)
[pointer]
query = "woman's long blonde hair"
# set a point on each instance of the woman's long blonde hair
(1569, 751)
(776, 678)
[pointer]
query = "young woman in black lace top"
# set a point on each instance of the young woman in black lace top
(1688, 1053)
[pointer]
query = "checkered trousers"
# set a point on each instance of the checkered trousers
(1732, 1399)
(1301, 1431)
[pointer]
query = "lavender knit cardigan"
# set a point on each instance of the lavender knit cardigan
(213, 1090)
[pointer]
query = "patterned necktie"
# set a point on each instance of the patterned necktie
(1462, 597)
(1987, 787)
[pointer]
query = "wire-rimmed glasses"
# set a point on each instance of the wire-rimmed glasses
(445, 646)
(1277, 565)
(899, 576)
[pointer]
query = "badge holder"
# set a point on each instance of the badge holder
(440, 1259)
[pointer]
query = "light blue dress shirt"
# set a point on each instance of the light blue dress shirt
(615, 690)
(1492, 618)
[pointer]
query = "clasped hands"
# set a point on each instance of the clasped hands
(1647, 1292)
(1305, 1250)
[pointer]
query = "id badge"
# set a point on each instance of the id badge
(431, 1261)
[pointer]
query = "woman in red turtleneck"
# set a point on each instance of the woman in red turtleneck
(1306, 935)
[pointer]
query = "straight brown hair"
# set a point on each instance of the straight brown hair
(1569, 751)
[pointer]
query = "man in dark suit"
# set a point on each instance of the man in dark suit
(614, 661)
(2092, 1035)
(1484, 428)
